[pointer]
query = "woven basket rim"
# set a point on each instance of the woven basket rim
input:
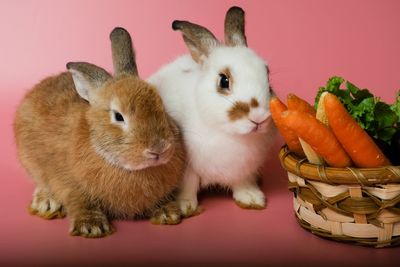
(331, 175)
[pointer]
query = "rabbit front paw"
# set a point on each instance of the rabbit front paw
(189, 207)
(92, 225)
(249, 198)
(45, 206)
(167, 214)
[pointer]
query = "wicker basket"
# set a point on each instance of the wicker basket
(359, 206)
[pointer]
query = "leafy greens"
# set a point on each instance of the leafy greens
(378, 118)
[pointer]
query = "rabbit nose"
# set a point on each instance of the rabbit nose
(157, 152)
(259, 116)
(152, 155)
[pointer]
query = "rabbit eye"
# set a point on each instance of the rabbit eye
(223, 81)
(118, 117)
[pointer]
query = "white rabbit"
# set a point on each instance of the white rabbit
(219, 95)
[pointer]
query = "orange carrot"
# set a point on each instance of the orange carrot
(276, 108)
(318, 136)
(296, 103)
(357, 143)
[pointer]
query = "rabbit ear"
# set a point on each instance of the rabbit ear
(198, 39)
(87, 78)
(234, 27)
(122, 52)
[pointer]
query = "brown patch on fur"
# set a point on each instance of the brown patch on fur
(234, 27)
(238, 110)
(254, 103)
(227, 73)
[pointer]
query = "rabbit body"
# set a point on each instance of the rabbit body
(224, 146)
(98, 148)
(216, 155)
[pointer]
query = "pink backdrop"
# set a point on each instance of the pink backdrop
(304, 42)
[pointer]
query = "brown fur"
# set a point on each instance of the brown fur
(122, 52)
(198, 39)
(56, 134)
(227, 73)
(48, 212)
(201, 41)
(254, 103)
(238, 110)
(234, 27)
(241, 109)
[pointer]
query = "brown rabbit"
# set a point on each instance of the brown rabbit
(100, 147)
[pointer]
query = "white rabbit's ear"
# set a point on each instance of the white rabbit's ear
(198, 39)
(87, 78)
(234, 27)
(122, 52)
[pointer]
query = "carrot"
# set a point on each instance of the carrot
(318, 136)
(358, 144)
(276, 108)
(296, 103)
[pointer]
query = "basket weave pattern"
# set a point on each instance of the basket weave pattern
(360, 206)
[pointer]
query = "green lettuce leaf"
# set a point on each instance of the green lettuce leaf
(378, 118)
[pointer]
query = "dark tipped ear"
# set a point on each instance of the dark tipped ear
(87, 78)
(122, 52)
(234, 27)
(198, 39)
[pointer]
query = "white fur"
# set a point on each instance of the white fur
(220, 151)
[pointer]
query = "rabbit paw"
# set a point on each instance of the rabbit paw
(249, 198)
(45, 206)
(189, 207)
(92, 225)
(168, 214)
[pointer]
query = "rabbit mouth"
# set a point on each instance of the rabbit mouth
(260, 127)
(148, 163)
(149, 159)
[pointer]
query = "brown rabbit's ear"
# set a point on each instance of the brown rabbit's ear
(122, 52)
(198, 39)
(234, 27)
(87, 78)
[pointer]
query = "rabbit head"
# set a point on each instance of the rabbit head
(128, 125)
(233, 91)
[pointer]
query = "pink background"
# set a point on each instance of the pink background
(305, 42)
